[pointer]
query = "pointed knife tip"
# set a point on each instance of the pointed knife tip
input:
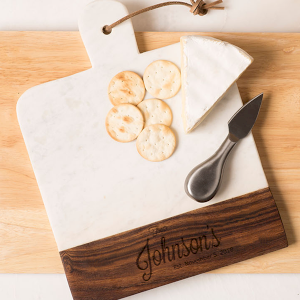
(258, 98)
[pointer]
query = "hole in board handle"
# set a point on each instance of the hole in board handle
(105, 30)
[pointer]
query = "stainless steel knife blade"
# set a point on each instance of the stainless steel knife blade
(243, 120)
(203, 182)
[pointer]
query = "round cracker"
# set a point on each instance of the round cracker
(162, 79)
(156, 142)
(124, 122)
(126, 87)
(155, 112)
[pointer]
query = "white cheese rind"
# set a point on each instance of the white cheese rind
(209, 68)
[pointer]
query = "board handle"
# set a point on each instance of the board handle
(120, 45)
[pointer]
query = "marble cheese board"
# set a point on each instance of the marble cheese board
(93, 187)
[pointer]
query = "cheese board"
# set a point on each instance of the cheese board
(103, 202)
(85, 63)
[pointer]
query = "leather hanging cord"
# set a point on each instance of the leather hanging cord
(196, 7)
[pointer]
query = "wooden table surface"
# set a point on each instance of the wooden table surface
(27, 244)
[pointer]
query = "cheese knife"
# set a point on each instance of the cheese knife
(203, 182)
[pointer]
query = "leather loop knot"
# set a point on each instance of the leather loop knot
(201, 8)
(198, 8)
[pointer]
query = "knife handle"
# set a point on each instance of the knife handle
(203, 182)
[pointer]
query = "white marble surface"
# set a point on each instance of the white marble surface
(241, 16)
(94, 187)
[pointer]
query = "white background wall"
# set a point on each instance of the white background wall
(207, 286)
(239, 15)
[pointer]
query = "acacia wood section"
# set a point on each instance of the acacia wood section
(179, 247)
(31, 58)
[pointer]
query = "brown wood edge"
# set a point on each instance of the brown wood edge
(175, 248)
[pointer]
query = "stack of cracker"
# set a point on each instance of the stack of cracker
(148, 121)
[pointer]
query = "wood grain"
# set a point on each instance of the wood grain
(31, 58)
(176, 248)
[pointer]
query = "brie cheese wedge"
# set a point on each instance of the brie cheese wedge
(209, 67)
